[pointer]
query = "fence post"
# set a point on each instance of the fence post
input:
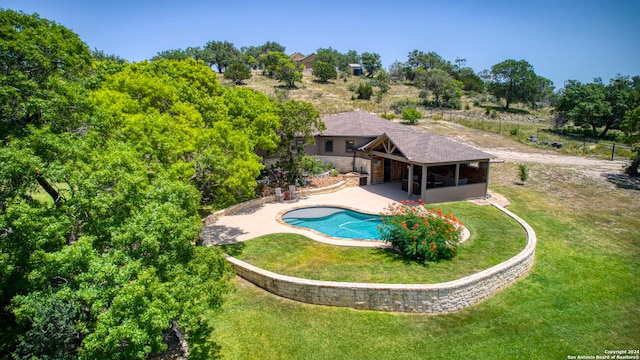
(613, 151)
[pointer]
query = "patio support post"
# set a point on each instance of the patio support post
(457, 173)
(423, 183)
(410, 181)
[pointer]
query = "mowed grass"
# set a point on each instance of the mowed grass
(495, 238)
(581, 298)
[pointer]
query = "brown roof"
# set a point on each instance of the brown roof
(415, 145)
(358, 123)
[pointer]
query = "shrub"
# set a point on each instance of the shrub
(388, 116)
(364, 91)
(419, 233)
(412, 115)
(400, 105)
(524, 172)
(313, 165)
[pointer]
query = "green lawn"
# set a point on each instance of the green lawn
(495, 238)
(581, 298)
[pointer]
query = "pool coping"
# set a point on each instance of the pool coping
(339, 241)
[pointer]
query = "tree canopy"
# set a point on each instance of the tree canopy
(103, 167)
(597, 105)
(516, 81)
(324, 71)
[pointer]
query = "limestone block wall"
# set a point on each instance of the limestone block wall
(420, 298)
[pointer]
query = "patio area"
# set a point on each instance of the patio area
(261, 219)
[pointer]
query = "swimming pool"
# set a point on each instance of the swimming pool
(336, 222)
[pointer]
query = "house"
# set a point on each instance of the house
(432, 167)
(301, 59)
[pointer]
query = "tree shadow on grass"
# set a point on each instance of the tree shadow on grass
(623, 181)
(233, 249)
(396, 257)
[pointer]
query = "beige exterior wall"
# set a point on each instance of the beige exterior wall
(454, 193)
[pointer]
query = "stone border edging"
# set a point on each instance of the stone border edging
(418, 298)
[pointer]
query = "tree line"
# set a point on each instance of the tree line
(598, 106)
(442, 81)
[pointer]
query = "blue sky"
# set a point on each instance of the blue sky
(562, 39)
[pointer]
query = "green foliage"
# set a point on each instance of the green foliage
(400, 105)
(412, 115)
(102, 262)
(389, 116)
(382, 80)
(445, 89)
(312, 165)
(324, 71)
(421, 234)
(238, 72)
(364, 91)
(597, 105)
(43, 65)
(370, 63)
(221, 54)
(516, 81)
(523, 171)
(279, 66)
(299, 121)
(631, 128)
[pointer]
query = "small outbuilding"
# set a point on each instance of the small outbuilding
(355, 69)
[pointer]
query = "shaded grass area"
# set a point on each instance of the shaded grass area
(495, 238)
(581, 298)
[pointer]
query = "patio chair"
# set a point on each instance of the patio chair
(279, 194)
(294, 192)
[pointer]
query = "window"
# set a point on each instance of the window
(328, 145)
(350, 145)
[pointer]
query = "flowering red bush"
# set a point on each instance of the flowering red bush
(420, 233)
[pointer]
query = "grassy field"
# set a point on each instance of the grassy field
(495, 238)
(581, 298)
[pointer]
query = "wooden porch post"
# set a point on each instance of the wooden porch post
(410, 180)
(423, 183)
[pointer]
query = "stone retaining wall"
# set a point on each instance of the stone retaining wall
(420, 298)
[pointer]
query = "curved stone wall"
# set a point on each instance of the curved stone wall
(420, 298)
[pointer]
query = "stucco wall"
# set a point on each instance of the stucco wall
(420, 298)
(454, 193)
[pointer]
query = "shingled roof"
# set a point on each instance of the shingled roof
(415, 145)
(358, 123)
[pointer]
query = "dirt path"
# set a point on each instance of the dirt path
(507, 150)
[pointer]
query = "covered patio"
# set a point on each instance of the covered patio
(426, 172)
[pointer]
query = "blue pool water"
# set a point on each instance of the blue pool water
(336, 222)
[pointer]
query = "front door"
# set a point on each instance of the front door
(377, 170)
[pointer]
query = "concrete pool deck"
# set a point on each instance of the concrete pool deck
(261, 219)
